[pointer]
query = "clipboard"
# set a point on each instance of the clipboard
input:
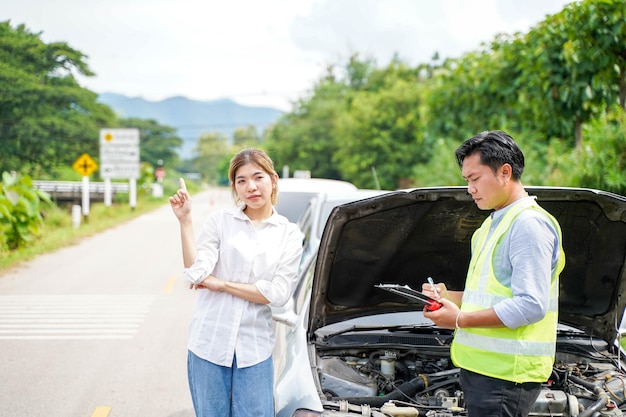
(413, 295)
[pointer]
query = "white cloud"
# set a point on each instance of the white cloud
(259, 52)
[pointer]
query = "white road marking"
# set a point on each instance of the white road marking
(45, 317)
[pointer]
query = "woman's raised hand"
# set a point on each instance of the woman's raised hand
(181, 201)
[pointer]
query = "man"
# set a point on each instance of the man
(506, 317)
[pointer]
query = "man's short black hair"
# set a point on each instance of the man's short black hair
(496, 148)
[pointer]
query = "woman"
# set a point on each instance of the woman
(246, 259)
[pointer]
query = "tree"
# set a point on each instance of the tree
(468, 94)
(246, 137)
(381, 132)
(597, 31)
(573, 67)
(543, 86)
(211, 150)
(46, 118)
(601, 162)
(325, 132)
(306, 139)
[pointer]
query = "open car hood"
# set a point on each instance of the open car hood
(403, 237)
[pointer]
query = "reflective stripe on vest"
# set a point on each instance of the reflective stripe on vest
(507, 346)
(488, 300)
(524, 354)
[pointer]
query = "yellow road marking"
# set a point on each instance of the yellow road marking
(101, 412)
(170, 284)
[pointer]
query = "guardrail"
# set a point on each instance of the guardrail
(72, 190)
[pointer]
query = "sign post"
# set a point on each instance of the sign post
(157, 189)
(119, 159)
(85, 166)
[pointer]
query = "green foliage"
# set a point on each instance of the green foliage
(146, 178)
(552, 88)
(20, 216)
(564, 71)
(383, 130)
(212, 148)
(595, 49)
(441, 168)
(306, 139)
(61, 173)
(601, 163)
(222, 169)
(546, 88)
(359, 120)
(46, 117)
(47, 121)
(472, 93)
(246, 137)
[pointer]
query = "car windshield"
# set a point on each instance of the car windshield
(325, 212)
(292, 204)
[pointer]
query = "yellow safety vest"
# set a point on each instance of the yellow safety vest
(525, 354)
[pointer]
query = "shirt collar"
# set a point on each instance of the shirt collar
(498, 214)
(274, 219)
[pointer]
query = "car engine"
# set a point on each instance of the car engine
(406, 381)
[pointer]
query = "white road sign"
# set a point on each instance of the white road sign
(119, 153)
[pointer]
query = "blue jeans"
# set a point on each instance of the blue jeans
(221, 391)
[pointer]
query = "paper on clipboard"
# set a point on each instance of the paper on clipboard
(411, 294)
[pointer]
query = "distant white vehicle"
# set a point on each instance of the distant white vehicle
(295, 193)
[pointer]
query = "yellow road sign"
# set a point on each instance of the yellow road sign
(84, 165)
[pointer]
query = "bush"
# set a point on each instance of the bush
(20, 216)
(601, 162)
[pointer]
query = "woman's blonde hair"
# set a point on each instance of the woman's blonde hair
(252, 156)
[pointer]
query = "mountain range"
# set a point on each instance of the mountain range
(192, 118)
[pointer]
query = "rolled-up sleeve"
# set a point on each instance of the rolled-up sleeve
(279, 288)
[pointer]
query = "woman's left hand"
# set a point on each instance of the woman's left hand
(210, 283)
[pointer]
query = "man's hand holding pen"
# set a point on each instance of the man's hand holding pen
(444, 317)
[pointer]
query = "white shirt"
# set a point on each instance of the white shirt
(231, 248)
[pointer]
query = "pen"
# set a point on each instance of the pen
(432, 286)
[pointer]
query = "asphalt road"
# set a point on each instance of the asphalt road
(99, 329)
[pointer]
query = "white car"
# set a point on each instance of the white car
(294, 193)
(312, 223)
(347, 348)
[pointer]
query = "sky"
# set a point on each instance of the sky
(259, 52)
